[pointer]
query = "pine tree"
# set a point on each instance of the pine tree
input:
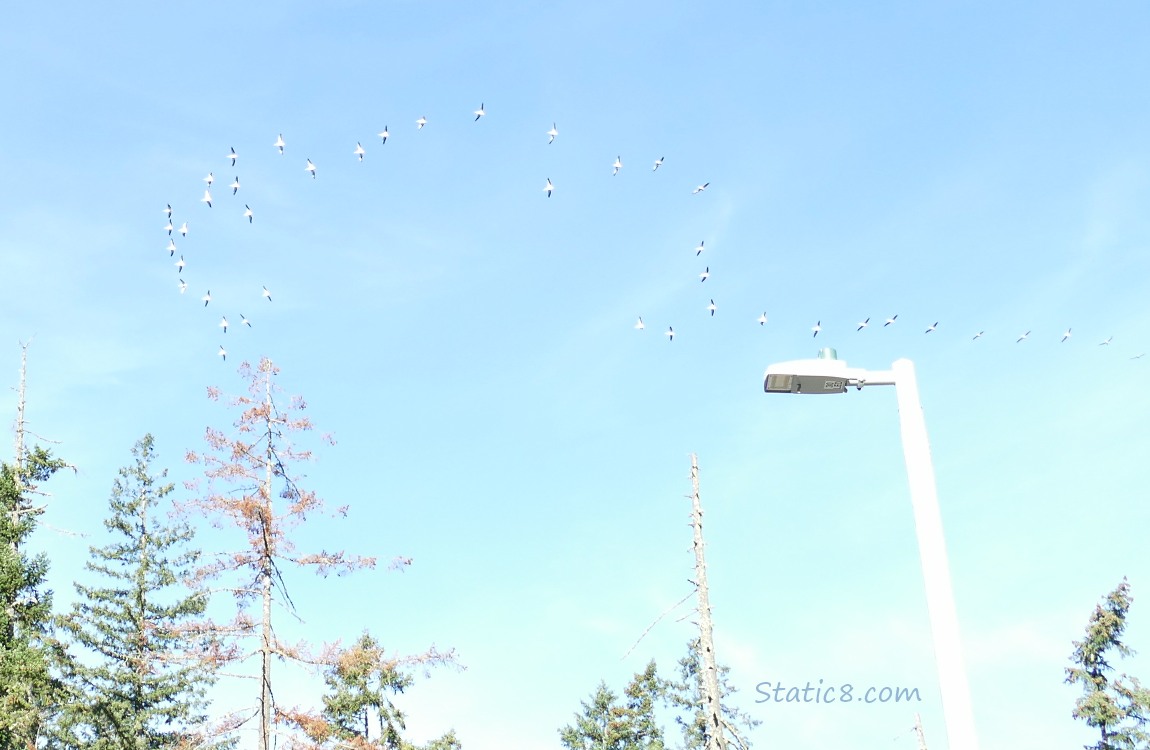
(687, 696)
(1119, 707)
(255, 467)
(138, 685)
(606, 723)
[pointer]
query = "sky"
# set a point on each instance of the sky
(470, 342)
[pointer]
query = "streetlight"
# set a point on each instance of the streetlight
(831, 375)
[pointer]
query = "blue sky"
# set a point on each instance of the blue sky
(470, 343)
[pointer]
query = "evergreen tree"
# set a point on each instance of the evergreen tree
(687, 695)
(606, 723)
(255, 466)
(1118, 707)
(28, 691)
(139, 685)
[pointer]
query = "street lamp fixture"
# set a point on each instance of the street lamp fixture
(828, 374)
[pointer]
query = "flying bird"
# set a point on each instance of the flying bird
(617, 165)
(639, 326)
(817, 327)
(932, 327)
(383, 135)
(763, 319)
(359, 150)
(235, 186)
(171, 248)
(1106, 342)
(712, 308)
(210, 179)
(310, 168)
(1139, 356)
(706, 272)
(670, 333)
(552, 133)
(420, 123)
(233, 156)
(267, 294)
(863, 325)
(280, 144)
(168, 210)
(1065, 335)
(700, 189)
(224, 324)
(699, 249)
(207, 198)
(169, 227)
(548, 187)
(223, 353)
(183, 286)
(890, 320)
(245, 321)
(977, 336)
(479, 112)
(207, 298)
(658, 163)
(180, 265)
(248, 212)
(1023, 336)
(184, 229)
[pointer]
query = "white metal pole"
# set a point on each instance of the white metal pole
(935, 570)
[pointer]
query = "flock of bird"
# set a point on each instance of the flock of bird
(552, 134)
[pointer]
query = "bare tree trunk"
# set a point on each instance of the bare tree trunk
(716, 739)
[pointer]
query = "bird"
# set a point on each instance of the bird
(245, 321)
(639, 326)
(235, 186)
(932, 327)
(763, 319)
(1065, 335)
(267, 294)
(658, 163)
(420, 123)
(617, 165)
(863, 325)
(699, 249)
(890, 320)
(359, 150)
(552, 133)
(1106, 342)
(183, 286)
(223, 353)
(169, 227)
(248, 212)
(712, 308)
(171, 248)
(817, 327)
(207, 198)
(280, 144)
(479, 112)
(310, 168)
(184, 229)
(700, 189)
(233, 156)
(383, 135)
(977, 336)
(1023, 336)
(670, 333)
(180, 265)
(168, 210)
(210, 179)
(548, 187)
(224, 324)
(207, 298)
(1139, 356)
(706, 272)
